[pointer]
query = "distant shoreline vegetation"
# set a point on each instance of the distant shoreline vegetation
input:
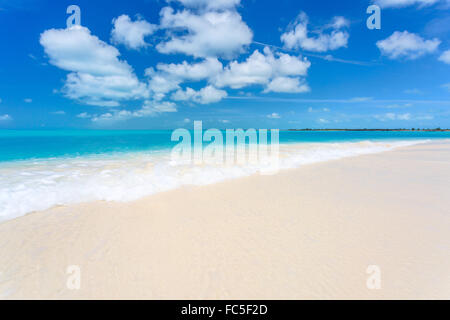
(407, 130)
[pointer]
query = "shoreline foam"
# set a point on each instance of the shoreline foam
(37, 185)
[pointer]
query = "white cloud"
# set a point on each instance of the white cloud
(184, 95)
(104, 91)
(286, 84)
(60, 112)
(274, 116)
(187, 120)
(76, 50)
(254, 70)
(445, 57)
(310, 109)
(161, 83)
(206, 95)
(197, 71)
(168, 77)
(131, 33)
(331, 37)
(150, 108)
(407, 45)
(321, 120)
(206, 34)
(109, 116)
(447, 86)
(98, 76)
(403, 117)
(83, 115)
(286, 65)
(339, 22)
(263, 69)
(153, 107)
(224, 121)
(28, 100)
(210, 4)
(360, 99)
(393, 116)
(398, 106)
(1, 100)
(5, 117)
(404, 3)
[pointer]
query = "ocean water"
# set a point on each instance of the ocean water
(42, 169)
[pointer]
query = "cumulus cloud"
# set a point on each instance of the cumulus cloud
(131, 33)
(210, 4)
(97, 75)
(168, 77)
(104, 91)
(76, 50)
(5, 117)
(205, 30)
(206, 95)
(153, 107)
(404, 3)
(161, 83)
(286, 84)
(445, 57)
(205, 34)
(150, 108)
(407, 45)
(196, 71)
(279, 73)
(331, 37)
(254, 70)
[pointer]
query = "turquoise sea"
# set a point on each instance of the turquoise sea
(39, 144)
(43, 168)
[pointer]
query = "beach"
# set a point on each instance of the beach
(304, 233)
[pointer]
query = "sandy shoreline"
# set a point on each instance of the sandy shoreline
(307, 233)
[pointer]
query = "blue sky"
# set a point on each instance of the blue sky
(149, 64)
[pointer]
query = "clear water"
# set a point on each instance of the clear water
(41, 169)
(22, 145)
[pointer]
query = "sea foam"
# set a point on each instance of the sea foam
(36, 185)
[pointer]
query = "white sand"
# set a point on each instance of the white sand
(304, 233)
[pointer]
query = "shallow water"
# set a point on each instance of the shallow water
(41, 169)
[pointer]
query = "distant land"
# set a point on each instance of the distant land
(411, 130)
